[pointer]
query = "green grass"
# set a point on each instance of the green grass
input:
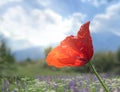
(58, 83)
(53, 79)
(39, 68)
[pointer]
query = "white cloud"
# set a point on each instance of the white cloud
(38, 27)
(3, 2)
(108, 21)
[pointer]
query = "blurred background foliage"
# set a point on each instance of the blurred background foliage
(7, 60)
(104, 62)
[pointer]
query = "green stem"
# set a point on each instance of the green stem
(98, 76)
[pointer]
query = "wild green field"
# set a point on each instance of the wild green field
(37, 76)
(32, 77)
(59, 83)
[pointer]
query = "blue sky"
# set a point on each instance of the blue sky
(29, 23)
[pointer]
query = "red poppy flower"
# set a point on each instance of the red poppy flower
(73, 50)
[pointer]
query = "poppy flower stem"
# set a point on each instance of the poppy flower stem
(99, 78)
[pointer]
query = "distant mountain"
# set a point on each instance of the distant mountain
(33, 53)
(105, 41)
(101, 42)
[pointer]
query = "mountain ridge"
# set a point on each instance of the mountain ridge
(101, 42)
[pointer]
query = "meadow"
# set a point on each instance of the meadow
(60, 83)
(32, 77)
(37, 76)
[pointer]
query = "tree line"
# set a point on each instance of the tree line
(103, 61)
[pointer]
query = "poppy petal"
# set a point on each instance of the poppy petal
(73, 50)
(85, 37)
